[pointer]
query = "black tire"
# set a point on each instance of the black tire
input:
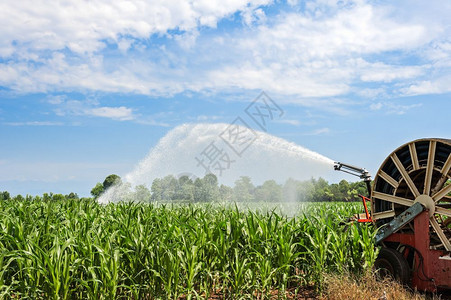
(391, 263)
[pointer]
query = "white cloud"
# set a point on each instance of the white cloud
(437, 86)
(318, 131)
(290, 122)
(56, 99)
(322, 56)
(204, 118)
(371, 93)
(439, 52)
(34, 123)
(329, 50)
(376, 106)
(337, 106)
(87, 26)
(253, 16)
(121, 113)
(392, 108)
(90, 107)
(380, 72)
(152, 122)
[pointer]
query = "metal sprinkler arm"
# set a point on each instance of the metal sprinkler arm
(362, 173)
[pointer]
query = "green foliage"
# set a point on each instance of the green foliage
(157, 190)
(100, 188)
(111, 180)
(58, 197)
(79, 249)
(269, 191)
(72, 195)
(5, 196)
(18, 198)
(97, 190)
(206, 190)
(185, 189)
(244, 189)
(225, 193)
(142, 194)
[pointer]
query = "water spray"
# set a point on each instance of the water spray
(268, 157)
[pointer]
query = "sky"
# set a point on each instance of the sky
(87, 88)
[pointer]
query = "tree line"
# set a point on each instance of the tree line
(45, 197)
(207, 189)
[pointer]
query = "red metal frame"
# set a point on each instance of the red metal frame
(368, 216)
(430, 273)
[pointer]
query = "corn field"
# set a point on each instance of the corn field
(79, 249)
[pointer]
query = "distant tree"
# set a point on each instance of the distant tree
(244, 189)
(168, 188)
(226, 193)
(184, 180)
(312, 190)
(334, 192)
(211, 188)
(72, 196)
(58, 197)
(47, 197)
(343, 188)
(18, 198)
(306, 190)
(5, 196)
(97, 190)
(360, 188)
(206, 189)
(142, 193)
(110, 180)
(269, 191)
(185, 189)
(320, 190)
(199, 193)
(156, 190)
(292, 191)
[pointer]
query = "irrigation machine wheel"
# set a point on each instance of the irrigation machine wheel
(391, 263)
(418, 171)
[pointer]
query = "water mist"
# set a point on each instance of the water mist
(268, 157)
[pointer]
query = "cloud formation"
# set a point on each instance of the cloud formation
(118, 113)
(393, 108)
(34, 123)
(323, 50)
(88, 26)
(90, 107)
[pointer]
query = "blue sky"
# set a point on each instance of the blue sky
(88, 87)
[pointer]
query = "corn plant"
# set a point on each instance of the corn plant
(79, 249)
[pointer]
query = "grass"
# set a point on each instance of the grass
(72, 249)
(365, 286)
